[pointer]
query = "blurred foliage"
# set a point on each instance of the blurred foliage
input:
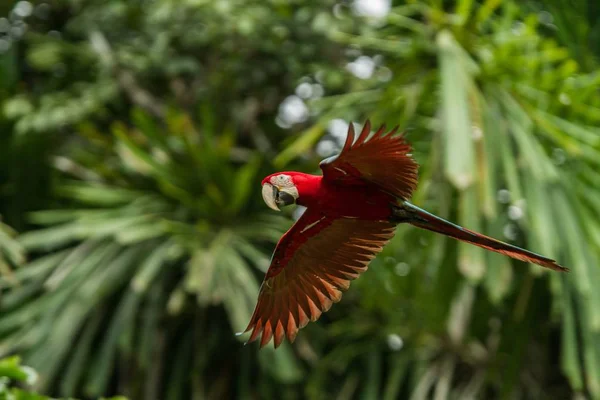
(576, 24)
(135, 138)
(12, 371)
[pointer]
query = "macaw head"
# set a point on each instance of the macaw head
(279, 190)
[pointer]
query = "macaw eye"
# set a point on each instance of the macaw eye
(282, 180)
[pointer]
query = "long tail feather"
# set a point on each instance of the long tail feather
(423, 219)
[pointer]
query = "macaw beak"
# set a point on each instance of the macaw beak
(275, 197)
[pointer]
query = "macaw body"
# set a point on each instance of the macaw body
(351, 214)
(366, 201)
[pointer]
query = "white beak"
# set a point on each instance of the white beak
(269, 194)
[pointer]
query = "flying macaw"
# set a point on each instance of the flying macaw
(351, 213)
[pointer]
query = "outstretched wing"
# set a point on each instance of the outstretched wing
(383, 159)
(313, 264)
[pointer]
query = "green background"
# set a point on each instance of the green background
(133, 239)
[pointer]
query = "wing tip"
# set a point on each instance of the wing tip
(393, 132)
(364, 133)
(349, 138)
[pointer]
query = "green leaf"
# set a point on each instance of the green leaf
(80, 360)
(463, 8)
(486, 10)
(100, 371)
(459, 158)
(150, 268)
(11, 368)
(9, 247)
(153, 166)
(397, 374)
(97, 194)
(243, 184)
(471, 259)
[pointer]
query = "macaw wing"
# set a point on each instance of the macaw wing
(383, 159)
(312, 265)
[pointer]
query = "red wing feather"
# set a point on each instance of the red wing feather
(319, 264)
(383, 159)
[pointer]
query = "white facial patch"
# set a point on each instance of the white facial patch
(284, 182)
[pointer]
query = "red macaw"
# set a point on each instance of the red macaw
(351, 213)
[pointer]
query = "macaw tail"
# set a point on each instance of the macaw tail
(418, 217)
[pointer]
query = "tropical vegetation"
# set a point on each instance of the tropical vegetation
(133, 236)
